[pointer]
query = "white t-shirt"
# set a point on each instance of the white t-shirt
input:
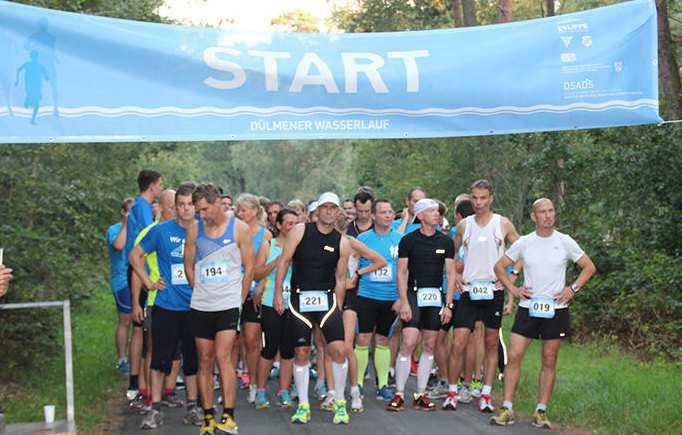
(544, 262)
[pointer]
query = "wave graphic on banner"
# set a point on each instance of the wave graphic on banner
(114, 112)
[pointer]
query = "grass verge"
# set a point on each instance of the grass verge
(95, 379)
(598, 388)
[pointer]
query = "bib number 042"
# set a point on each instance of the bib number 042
(481, 291)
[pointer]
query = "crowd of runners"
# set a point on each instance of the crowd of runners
(236, 294)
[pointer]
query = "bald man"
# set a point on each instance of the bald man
(543, 310)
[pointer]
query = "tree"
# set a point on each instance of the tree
(296, 21)
(668, 71)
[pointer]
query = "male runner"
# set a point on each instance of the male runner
(363, 214)
(408, 222)
(319, 258)
(543, 311)
(423, 255)
(140, 216)
(118, 268)
(483, 237)
(171, 305)
(217, 248)
(376, 303)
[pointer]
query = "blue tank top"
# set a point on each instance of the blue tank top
(269, 292)
(257, 242)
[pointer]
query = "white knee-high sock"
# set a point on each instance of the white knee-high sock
(340, 372)
(424, 371)
(301, 380)
(402, 372)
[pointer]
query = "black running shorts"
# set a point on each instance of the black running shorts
(468, 312)
(168, 329)
(374, 314)
(427, 318)
(559, 327)
(330, 321)
(206, 324)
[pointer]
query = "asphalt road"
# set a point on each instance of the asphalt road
(374, 420)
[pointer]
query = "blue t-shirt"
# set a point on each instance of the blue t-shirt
(140, 217)
(168, 241)
(380, 284)
(118, 266)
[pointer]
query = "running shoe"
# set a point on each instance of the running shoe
(422, 403)
(450, 403)
(340, 414)
(216, 382)
(540, 420)
(284, 399)
(476, 387)
(485, 404)
(251, 398)
(294, 393)
(328, 403)
(439, 390)
(362, 391)
(123, 367)
(391, 380)
(193, 417)
(396, 404)
(137, 402)
(385, 394)
(504, 417)
(245, 381)
(302, 415)
(356, 403)
(152, 420)
(313, 373)
(132, 395)
(261, 401)
(321, 391)
(179, 383)
(171, 400)
(274, 372)
(464, 394)
(208, 426)
(227, 425)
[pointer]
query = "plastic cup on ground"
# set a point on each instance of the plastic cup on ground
(49, 413)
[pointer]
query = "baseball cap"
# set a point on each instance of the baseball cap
(330, 197)
(423, 204)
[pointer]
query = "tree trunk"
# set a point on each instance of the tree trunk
(550, 8)
(469, 13)
(504, 11)
(457, 13)
(668, 72)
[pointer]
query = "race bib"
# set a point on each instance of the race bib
(542, 307)
(385, 274)
(313, 301)
(213, 273)
(178, 274)
(481, 291)
(428, 297)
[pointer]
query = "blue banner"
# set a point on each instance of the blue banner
(68, 77)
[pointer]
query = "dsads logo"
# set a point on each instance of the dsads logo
(578, 85)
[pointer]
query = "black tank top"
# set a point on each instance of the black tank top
(313, 265)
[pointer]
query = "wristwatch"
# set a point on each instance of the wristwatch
(575, 288)
(451, 305)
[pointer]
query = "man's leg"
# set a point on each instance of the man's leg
(550, 352)
(518, 344)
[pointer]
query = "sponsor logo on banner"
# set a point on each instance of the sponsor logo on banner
(578, 85)
(573, 28)
(587, 41)
(566, 40)
(618, 66)
(568, 57)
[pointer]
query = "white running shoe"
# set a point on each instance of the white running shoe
(486, 404)
(252, 394)
(356, 403)
(464, 395)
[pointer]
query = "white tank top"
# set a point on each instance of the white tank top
(482, 248)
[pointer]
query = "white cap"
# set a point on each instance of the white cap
(312, 206)
(330, 197)
(423, 204)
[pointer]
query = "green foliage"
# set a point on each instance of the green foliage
(140, 10)
(296, 21)
(393, 15)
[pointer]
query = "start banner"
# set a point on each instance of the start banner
(68, 77)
